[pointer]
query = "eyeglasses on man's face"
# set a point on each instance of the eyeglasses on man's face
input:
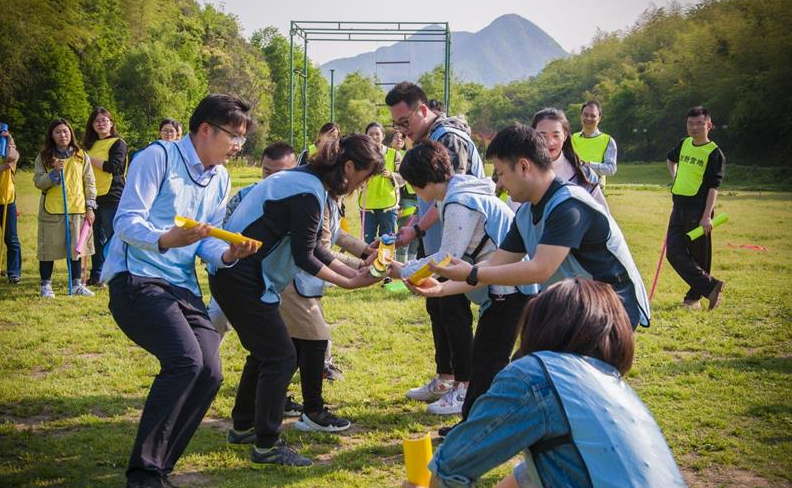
(237, 139)
(404, 123)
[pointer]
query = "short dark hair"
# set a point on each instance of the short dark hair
(221, 109)
(579, 316)
(592, 103)
(427, 162)
(277, 150)
(520, 141)
(697, 111)
(330, 158)
(406, 92)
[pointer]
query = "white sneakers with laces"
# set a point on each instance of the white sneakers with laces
(451, 402)
(431, 391)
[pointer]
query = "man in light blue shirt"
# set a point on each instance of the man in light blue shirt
(154, 292)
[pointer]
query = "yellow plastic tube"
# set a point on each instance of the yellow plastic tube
(699, 231)
(417, 454)
(424, 272)
(229, 237)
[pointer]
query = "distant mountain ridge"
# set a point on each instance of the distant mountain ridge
(510, 48)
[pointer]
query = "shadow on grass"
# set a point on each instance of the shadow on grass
(756, 363)
(44, 409)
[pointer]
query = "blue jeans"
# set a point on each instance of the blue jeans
(519, 410)
(11, 236)
(102, 232)
(379, 222)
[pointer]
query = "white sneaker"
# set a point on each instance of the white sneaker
(436, 388)
(82, 290)
(46, 290)
(451, 402)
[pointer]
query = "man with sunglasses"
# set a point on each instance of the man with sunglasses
(154, 292)
(452, 320)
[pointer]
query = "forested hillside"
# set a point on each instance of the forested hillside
(149, 59)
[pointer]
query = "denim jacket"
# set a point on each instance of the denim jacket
(519, 410)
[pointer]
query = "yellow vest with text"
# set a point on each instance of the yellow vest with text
(381, 192)
(691, 167)
(7, 189)
(101, 150)
(75, 192)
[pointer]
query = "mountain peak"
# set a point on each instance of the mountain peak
(510, 48)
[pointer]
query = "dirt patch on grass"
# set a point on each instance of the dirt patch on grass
(219, 424)
(721, 477)
(190, 479)
(35, 422)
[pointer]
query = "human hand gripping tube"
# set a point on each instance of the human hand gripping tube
(699, 231)
(229, 237)
(417, 454)
(384, 256)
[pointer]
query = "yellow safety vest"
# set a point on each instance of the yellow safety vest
(590, 149)
(75, 192)
(381, 192)
(101, 150)
(691, 166)
(407, 186)
(7, 189)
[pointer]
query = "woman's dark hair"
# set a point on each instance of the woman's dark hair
(221, 109)
(172, 122)
(592, 103)
(427, 162)
(389, 135)
(328, 127)
(48, 148)
(579, 316)
(569, 152)
(374, 124)
(90, 136)
(330, 159)
(520, 141)
(406, 92)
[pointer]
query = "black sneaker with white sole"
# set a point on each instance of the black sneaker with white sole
(280, 454)
(323, 421)
(242, 436)
(292, 408)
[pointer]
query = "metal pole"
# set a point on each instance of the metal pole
(332, 95)
(448, 70)
(291, 85)
(305, 95)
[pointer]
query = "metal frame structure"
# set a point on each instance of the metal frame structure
(342, 31)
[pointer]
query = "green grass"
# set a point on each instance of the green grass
(72, 385)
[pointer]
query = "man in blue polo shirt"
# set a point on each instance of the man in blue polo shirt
(154, 292)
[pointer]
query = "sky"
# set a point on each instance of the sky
(572, 23)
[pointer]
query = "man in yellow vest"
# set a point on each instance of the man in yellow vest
(696, 164)
(8, 212)
(595, 148)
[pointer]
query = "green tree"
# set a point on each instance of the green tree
(356, 101)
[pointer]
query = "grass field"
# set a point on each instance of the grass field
(719, 384)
